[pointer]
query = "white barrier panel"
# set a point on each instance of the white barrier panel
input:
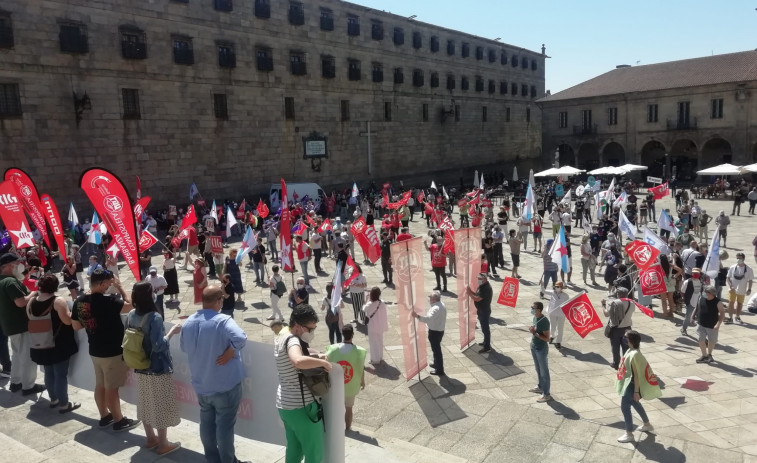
(258, 417)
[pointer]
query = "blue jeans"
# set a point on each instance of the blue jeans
(56, 381)
(626, 402)
(5, 355)
(541, 363)
(334, 332)
(687, 317)
(259, 271)
(483, 320)
(547, 275)
(218, 415)
(304, 268)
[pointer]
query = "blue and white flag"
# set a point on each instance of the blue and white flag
(336, 293)
(626, 226)
(95, 235)
(711, 266)
(248, 244)
(214, 211)
(193, 191)
(559, 251)
(73, 219)
(665, 222)
(355, 191)
(654, 240)
(530, 202)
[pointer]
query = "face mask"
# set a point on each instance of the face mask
(533, 311)
(301, 286)
(18, 271)
(558, 290)
(480, 281)
(308, 336)
(740, 261)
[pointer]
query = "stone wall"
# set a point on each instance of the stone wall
(178, 139)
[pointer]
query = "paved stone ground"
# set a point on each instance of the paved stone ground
(483, 411)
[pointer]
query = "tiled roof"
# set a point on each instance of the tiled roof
(709, 70)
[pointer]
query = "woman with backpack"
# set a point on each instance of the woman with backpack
(53, 341)
(156, 394)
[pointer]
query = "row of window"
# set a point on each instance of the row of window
(682, 120)
(73, 39)
(10, 106)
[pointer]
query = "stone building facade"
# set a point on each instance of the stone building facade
(676, 117)
(223, 92)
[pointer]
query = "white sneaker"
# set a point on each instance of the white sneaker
(645, 428)
(544, 398)
(536, 390)
(625, 438)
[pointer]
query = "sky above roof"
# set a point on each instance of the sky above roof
(588, 38)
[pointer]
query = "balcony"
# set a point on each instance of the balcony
(585, 129)
(329, 70)
(678, 124)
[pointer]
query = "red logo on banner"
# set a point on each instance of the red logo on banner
(28, 193)
(111, 201)
(643, 254)
(146, 241)
(140, 207)
(462, 203)
(509, 294)
(367, 239)
(643, 309)
(53, 218)
(348, 370)
(13, 216)
(650, 376)
(285, 227)
(262, 209)
(325, 226)
(581, 314)
(652, 281)
(216, 244)
(621, 373)
(660, 191)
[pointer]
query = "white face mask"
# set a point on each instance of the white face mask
(301, 286)
(740, 261)
(558, 290)
(308, 336)
(18, 271)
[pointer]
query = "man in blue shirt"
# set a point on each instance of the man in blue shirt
(212, 342)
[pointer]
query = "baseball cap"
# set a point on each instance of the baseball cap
(696, 270)
(8, 258)
(153, 269)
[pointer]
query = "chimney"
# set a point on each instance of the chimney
(620, 66)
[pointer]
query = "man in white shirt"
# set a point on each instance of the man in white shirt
(557, 298)
(567, 220)
(556, 218)
(159, 285)
(689, 258)
(740, 277)
(435, 319)
(619, 315)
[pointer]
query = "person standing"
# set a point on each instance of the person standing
(156, 404)
(357, 292)
(334, 321)
(378, 323)
(303, 256)
(100, 315)
(439, 262)
(515, 240)
(588, 260)
(159, 285)
(499, 236)
(297, 406)
(199, 279)
(710, 313)
(171, 276)
(278, 289)
(691, 291)
(619, 315)
(633, 383)
(722, 221)
(482, 299)
(488, 248)
(232, 268)
(524, 226)
(550, 269)
(386, 259)
(316, 244)
(257, 254)
(212, 342)
(537, 223)
(557, 298)
(352, 359)
(435, 319)
(14, 297)
(539, 350)
(739, 278)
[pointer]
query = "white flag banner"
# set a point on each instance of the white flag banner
(566, 198)
(654, 240)
(230, 221)
(711, 266)
(336, 293)
(626, 226)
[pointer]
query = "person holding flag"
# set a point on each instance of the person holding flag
(539, 350)
(557, 298)
(435, 320)
(619, 320)
(635, 380)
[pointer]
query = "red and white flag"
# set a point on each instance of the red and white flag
(53, 219)
(421, 196)
(325, 226)
(643, 254)
(12, 214)
(509, 294)
(146, 240)
(350, 272)
(189, 219)
(262, 209)
(241, 210)
(140, 207)
(581, 314)
(28, 193)
(652, 281)
(285, 236)
(660, 191)
(367, 238)
(644, 309)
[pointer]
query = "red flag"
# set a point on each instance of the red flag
(310, 220)
(298, 228)
(262, 209)
(660, 191)
(421, 196)
(189, 219)
(241, 209)
(146, 241)
(509, 294)
(351, 272)
(140, 207)
(12, 214)
(643, 254)
(645, 310)
(285, 237)
(325, 226)
(449, 235)
(367, 239)
(216, 244)
(387, 185)
(385, 201)
(53, 218)
(581, 314)
(113, 250)
(111, 202)
(139, 188)
(652, 281)
(462, 203)
(28, 193)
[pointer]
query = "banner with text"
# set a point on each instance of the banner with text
(407, 260)
(581, 314)
(468, 263)
(53, 219)
(509, 294)
(367, 239)
(12, 215)
(28, 193)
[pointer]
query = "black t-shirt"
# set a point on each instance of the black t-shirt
(258, 256)
(579, 205)
(229, 302)
(386, 249)
(101, 317)
(708, 312)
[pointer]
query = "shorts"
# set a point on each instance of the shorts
(349, 401)
(193, 250)
(708, 334)
(516, 259)
(110, 372)
(723, 233)
(739, 297)
(537, 234)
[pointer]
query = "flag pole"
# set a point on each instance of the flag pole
(412, 307)
(466, 279)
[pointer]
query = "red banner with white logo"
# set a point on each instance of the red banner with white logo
(643, 309)
(111, 201)
(12, 214)
(262, 209)
(660, 191)
(367, 239)
(285, 225)
(350, 272)
(509, 294)
(140, 207)
(449, 234)
(53, 219)
(325, 226)
(468, 264)
(409, 268)
(189, 219)
(28, 193)
(216, 244)
(405, 198)
(652, 281)
(581, 314)
(421, 196)
(643, 254)
(146, 241)
(241, 210)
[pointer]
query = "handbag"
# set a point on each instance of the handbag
(368, 319)
(608, 327)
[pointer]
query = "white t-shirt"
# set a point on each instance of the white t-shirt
(157, 282)
(740, 277)
(566, 219)
(288, 394)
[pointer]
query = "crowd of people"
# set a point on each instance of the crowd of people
(41, 325)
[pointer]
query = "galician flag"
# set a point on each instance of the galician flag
(72, 217)
(665, 222)
(626, 226)
(336, 293)
(355, 191)
(530, 202)
(230, 221)
(654, 240)
(95, 235)
(248, 244)
(711, 265)
(622, 199)
(214, 211)
(193, 191)
(559, 251)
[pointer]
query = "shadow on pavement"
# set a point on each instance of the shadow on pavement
(563, 410)
(497, 366)
(497, 321)
(655, 451)
(355, 435)
(673, 402)
(592, 357)
(732, 369)
(435, 400)
(384, 370)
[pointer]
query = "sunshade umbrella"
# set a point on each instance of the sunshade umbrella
(750, 168)
(608, 170)
(723, 169)
(568, 170)
(546, 173)
(632, 167)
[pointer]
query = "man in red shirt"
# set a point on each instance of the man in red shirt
(404, 235)
(303, 255)
(438, 262)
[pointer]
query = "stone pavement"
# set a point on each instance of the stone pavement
(483, 411)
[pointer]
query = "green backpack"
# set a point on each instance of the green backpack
(134, 352)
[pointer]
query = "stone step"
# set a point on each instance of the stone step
(364, 443)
